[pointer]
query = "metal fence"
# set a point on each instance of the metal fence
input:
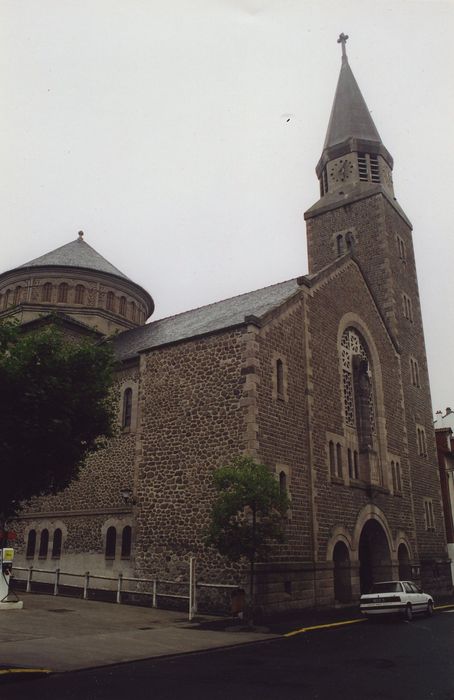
(155, 588)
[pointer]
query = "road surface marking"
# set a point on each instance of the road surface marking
(7, 671)
(443, 607)
(321, 627)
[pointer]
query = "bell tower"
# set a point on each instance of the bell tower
(358, 213)
(353, 154)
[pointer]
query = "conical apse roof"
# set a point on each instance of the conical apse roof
(76, 254)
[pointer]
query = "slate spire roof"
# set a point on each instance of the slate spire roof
(350, 127)
(76, 254)
(350, 117)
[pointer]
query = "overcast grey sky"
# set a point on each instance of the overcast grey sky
(182, 137)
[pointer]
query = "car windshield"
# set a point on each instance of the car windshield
(387, 587)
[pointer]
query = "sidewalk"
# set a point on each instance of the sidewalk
(65, 634)
(56, 634)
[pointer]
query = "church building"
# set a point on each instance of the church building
(322, 378)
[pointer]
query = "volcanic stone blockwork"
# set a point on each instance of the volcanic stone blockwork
(193, 419)
(340, 299)
(282, 439)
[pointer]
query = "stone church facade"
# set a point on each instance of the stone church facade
(322, 378)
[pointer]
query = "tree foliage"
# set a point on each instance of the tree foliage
(55, 405)
(248, 513)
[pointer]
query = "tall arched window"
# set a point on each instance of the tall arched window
(31, 544)
(332, 459)
(282, 482)
(56, 544)
(111, 543)
(6, 299)
(122, 309)
(126, 539)
(339, 459)
(358, 387)
(280, 378)
(46, 292)
(110, 301)
(80, 294)
(62, 292)
(44, 544)
(133, 311)
(127, 408)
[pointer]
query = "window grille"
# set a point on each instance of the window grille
(352, 345)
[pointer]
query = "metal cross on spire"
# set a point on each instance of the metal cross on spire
(343, 40)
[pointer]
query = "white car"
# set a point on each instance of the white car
(396, 597)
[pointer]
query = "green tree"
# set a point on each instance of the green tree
(56, 403)
(248, 513)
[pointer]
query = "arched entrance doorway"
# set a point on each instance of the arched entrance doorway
(404, 562)
(342, 576)
(374, 555)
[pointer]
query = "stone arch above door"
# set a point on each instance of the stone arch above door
(371, 512)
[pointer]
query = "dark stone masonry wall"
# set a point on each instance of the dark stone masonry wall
(282, 422)
(193, 417)
(91, 497)
(337, 502)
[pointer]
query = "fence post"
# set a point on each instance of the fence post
(194, 587)
(57, 581)
(120, 578)
(29, 579)
(191, 586)
(86, 581)
(155, 593)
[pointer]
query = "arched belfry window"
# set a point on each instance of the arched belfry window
(358, 387)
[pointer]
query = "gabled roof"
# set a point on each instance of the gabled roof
(350, 117)
(206, 319)
(76, 254)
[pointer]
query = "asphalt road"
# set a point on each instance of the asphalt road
(382, 660)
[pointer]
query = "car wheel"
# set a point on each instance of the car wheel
(430, 608)
(408, 613)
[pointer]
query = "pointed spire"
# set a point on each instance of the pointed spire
(350, 117)
(350, 127)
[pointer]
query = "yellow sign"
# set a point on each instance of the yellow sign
(8, 554)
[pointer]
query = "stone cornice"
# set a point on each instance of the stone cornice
(48, 514)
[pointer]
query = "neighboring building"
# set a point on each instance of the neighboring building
(323, 378)
(445, 450)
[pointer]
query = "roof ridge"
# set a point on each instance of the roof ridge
(220, 301)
